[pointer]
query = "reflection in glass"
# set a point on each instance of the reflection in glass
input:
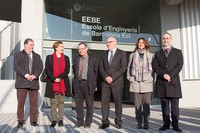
(95, 21)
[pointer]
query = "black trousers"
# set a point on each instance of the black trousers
(80, 96)
(165, 104)
(116, 91)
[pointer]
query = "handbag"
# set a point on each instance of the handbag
(43, 77)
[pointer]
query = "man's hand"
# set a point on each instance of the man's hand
(167, 77)
(30, 77)
(109, 80)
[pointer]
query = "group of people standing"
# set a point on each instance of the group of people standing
(167, 63)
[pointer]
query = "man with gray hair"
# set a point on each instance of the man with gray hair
(113, 64)
(167, 64)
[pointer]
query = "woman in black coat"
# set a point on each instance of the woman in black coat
(57, 67)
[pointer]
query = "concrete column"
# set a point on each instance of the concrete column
(32, 23)
(32, 27)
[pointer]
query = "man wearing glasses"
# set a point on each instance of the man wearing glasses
(113, 64)
(167, 64)
(85, 68)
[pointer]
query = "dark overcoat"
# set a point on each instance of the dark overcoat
(172, 65)
(21, 67)
(51, 78)
(91, 75)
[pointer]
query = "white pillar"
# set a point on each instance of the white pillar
(32, 27)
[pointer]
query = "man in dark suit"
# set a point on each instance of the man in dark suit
(84, 83)
(28, 66)
(113, 64)
(167, 64)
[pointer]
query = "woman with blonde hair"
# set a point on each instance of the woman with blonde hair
(57, 67)
(139, 74)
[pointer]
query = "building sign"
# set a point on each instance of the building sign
(92, 26)
(95, 21)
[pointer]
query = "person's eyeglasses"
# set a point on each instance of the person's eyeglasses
(81, 49)
(165, 38)
(109, 42)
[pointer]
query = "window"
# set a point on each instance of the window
(95, 21)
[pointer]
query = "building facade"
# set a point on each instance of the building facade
(73, 21)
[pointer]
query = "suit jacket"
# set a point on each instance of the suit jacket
(91, 75)
(117, 68)
(21, 67)
(172, 65)
(50, 77)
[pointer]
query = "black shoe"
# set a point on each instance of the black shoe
(164, 128)
(119, 126)
(87, 126)
(177, 129)
(103, 126)
(60, 124)
(146, 127)
(53, 124)
(78, 125)
(146, 124)
(20, 124)
(139, 126)
(34, 124)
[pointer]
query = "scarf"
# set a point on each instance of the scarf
(140, 67)
(58, 86)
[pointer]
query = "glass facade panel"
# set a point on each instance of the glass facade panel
(94, 20)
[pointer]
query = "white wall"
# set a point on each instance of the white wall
(190, 32)
(7, 96)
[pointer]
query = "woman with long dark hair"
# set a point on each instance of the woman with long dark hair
(139, 74)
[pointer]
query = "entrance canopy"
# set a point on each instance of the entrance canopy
(10, 10)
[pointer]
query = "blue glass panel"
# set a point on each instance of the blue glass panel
(57, 27)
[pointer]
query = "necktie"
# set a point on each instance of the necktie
(166, 50)
(111, 57)
(81, 68)
(30, 63)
